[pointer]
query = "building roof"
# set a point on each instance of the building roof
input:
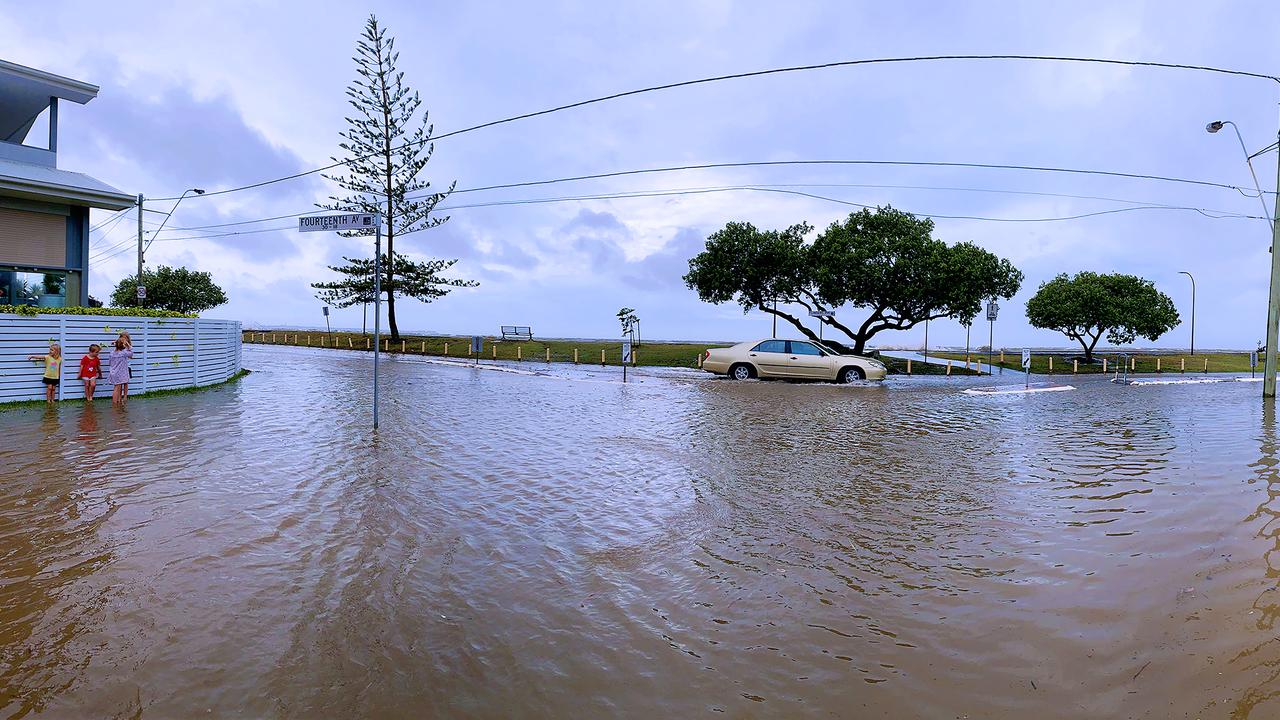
(37, 182)
(26, 92)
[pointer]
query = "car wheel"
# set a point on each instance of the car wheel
(740, 372)
(852, 374)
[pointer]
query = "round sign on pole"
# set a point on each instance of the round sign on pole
(142, 292)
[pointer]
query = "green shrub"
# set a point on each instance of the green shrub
(32, 311)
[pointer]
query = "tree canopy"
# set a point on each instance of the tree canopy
(884, 261)
(418, 280)
(1090, 305)
(387, 146)
(176, 289)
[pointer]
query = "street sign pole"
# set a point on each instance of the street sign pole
(1026, 365)
(350, 222)
(992, 310)
(377, 310)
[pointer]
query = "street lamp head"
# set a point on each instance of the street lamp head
(197, 191)
(1214, 126)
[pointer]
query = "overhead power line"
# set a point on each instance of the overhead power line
(744, 75)
(665, 193)
(770, 163)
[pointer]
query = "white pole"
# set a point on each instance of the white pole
(377, 310)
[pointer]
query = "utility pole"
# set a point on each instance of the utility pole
(1273, 306)
(1193, 309)
(377, 311)
(140, 199)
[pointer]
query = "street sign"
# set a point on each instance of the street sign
(142, 293)
(325, 310)
(477, 345)
(992, 310)
(333, 223)
(821, 314)
(626, 351)
(1253, 359)
(1026, 360)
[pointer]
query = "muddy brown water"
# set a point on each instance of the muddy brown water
(548, 547)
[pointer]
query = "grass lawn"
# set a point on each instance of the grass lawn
(1141, 362)
(653, 354)
(659, 354)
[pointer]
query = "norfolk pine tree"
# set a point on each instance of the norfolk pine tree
(387, 149)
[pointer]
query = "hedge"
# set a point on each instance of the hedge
(31, 311)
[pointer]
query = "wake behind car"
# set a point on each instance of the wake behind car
(790, 359)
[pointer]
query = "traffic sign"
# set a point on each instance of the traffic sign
(821, 314)
(325, 310)
(1026, 360)
(142, 292)
(333, 223)
(992, 310)
(477, 344)
(626, 351)
(1253, 359)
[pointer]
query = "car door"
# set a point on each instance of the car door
(807, 361)
(770, 358)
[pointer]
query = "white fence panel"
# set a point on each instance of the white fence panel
(167, 352)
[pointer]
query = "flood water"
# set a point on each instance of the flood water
(515, 545)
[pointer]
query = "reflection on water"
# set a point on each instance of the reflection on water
(566, 546)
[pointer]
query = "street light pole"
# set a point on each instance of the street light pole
(1273, 302)
(142, 249)
(1193, 309)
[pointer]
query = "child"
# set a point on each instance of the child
(119, 361)
(90, 371)
(52, 371)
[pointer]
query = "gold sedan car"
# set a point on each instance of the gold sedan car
(793, 359)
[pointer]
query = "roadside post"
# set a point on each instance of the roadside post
(1253, 363)
(626, 358)
(992, 310)
(821, 315)
(142, 294)
(477, 346)
(1026, 365)
(327, 328)
(358, 222)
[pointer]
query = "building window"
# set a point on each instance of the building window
(33, 287)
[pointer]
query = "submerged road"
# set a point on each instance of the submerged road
(561, 545)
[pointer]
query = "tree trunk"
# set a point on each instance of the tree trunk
(791, 319)
(388, 189)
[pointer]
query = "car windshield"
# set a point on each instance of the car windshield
(828, 349)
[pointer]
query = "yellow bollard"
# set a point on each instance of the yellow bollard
(1133, 363)
(1075, 367)
(349, 345)
(308, 341)
(424, 347)
(1002, 355)
(495, 351)
(948, 367)
(1206, 364)
(519, 353)
(908, 366)
(1182, 363)
(273, 337)
(1050, 364)
(1104, 366)
(1157, 364)
(366, 344)
(446, 348)
(401, 346)
(575, 356)
(699, 361)
(548, 354)
(602, 358)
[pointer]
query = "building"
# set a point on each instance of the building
(44, 211)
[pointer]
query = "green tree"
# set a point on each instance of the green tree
(177, 289)
(884, 261)
(387, 146)
(420, 280)
(1090, 305)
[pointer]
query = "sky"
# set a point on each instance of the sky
(221, 95)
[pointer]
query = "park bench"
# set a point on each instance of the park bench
(517, 332)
